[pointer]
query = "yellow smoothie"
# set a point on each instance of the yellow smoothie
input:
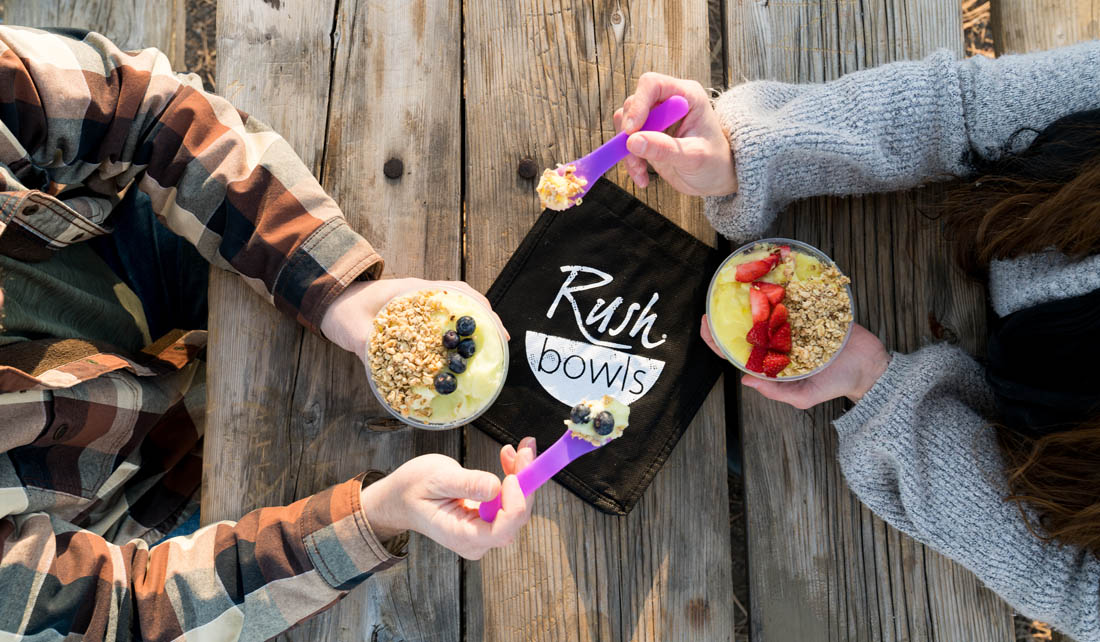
(484, 370)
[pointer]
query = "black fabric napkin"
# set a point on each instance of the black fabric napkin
(605, 298)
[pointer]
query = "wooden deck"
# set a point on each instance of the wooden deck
(461, 91)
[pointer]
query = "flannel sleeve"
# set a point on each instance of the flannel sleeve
(92, 115)
(246, 581)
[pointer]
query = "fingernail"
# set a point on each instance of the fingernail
(628, 123)
(511, 452)
(751, 382)
(636, 145)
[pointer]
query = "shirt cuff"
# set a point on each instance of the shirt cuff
(882, 398)
(321, 268)
(339, 540)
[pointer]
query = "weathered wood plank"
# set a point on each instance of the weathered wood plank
(291, 414)
(821, 566)
(1036, 25)
(274, 64)
(132, 24)
(543, 79)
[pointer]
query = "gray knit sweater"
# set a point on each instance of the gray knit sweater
(917, 449)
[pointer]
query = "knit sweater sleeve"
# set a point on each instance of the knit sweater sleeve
(919, 453)
(891, 127)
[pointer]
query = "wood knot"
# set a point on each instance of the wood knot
(527, 168)
(380, 423)
(382, 633)
(312, 415)
(941, 332)
(394, 168)
(616, 17)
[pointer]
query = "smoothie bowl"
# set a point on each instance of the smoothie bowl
(437, 358)
(780, 309)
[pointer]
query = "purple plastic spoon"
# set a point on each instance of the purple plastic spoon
(606, 156)
(545, 466)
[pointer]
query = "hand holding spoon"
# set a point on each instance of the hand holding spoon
(546, 465)
(591, 167)
(567, 448)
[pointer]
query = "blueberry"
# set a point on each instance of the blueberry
(456, 363)
(580, 414)
(465, 326)
(467, 348)
(604, 423)
(445, 383)
(450, 339)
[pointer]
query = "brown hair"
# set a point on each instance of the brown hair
(1047, 196)
(999, 217)
(1057, 477)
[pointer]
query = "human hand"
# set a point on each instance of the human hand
(435, 496)
(854, 372)
(349, 320)
(697, 160)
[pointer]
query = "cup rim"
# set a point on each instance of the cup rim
(809, 249)
(458, 422)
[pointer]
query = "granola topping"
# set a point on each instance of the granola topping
(819, 312)
(405, 351)
(560, 191)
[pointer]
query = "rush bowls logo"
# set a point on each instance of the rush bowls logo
(573, 370)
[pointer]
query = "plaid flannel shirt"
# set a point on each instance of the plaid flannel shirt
(100, 451)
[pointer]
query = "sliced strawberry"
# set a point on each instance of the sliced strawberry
(784, 251)
(759, 335)
(778, 318)
(749, 272)
(761, 307)
(774, 292)
(780, 340)
(756, 359)
(774, 362)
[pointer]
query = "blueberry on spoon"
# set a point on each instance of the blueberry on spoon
(604, 423)
(580, 414)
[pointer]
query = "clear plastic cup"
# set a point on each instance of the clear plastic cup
(485, 315)
(798, 246)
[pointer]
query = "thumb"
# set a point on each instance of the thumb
(477, 485)
(655, 147)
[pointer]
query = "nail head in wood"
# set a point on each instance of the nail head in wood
(528, 168)
(394, 168)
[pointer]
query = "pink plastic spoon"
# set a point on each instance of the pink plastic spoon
(545, 466)
(606, 156)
